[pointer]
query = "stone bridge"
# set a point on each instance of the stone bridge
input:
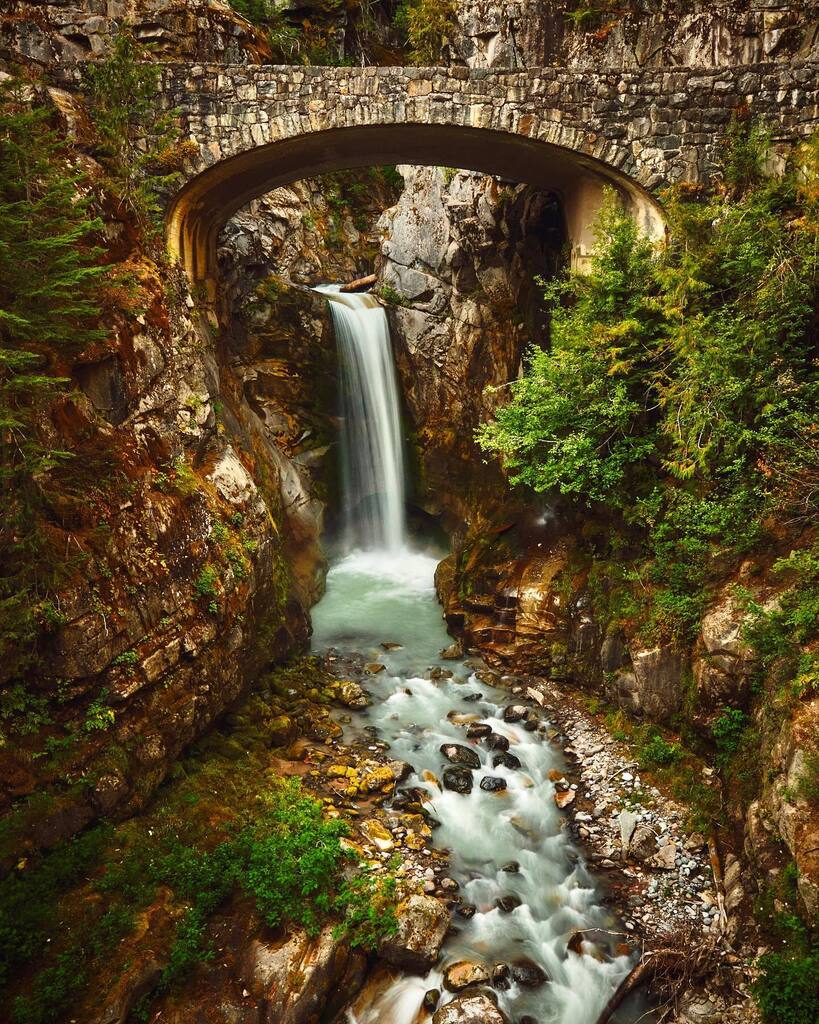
(258, 127)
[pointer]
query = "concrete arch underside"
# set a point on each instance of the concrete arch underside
(203, 206)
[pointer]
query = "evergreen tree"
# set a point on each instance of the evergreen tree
(48, 310)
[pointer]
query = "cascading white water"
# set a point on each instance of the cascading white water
(373, 464)
(510, 843)
(506, 843)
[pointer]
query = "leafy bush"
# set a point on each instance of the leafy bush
(787, 990)
(727, 732)
(678, 390)
(658, 753)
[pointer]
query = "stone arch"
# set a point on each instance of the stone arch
(207, 201)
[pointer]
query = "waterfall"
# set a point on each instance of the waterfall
(372, 457)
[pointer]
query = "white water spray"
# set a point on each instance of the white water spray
(373, 464)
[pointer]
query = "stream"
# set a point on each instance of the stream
(387, 596)
(519, 875)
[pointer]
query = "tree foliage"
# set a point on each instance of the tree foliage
(49, 281)
(680, 385)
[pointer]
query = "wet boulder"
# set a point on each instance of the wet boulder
(464, 973)
(422, 925)
(506, 904)
(478, 731)
(459, 780)
(431, 999)
(505, 760)
(527, 973)
(501, 977)
(470, 1008)
(457, 753)
(514, 712)
(497, 742)
(493, 784)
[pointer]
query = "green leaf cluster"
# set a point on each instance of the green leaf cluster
(677, 394)
(49, 285)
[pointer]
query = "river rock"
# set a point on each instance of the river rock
(527, 973)
(378, 835)
(460, 975)
(501, 979)
(514, 712)
(496, 742)
(422, 925)
(478, 731)
(505, 760)
(431, 999)
(564, 799)
(643, 843)
(470, 1008)
(453, 652)
(512, 868)
(459, 780)
(506, 904)
(666, 857)
(461, 755)
(493, 784)
(374, 667)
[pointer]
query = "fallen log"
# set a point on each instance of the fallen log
(643, 972)
(358, 284)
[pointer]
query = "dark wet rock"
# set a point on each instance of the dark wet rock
(526, 1019)
(512, 868)
(528, 974)
(497, 742)
(514, 712)
(461, 755)
(478, 731)
(459, 780)
(466, 910)
(493, 784)
(431, 999)
(437, 672)
(455, 650)
(464, 973)
(473, 697)
(506, 904)
(501, 977)
(532, 721)
(422, 925)
(505, 760)
(391, 645)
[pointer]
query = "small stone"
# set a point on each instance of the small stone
(460, 755)
(528, 974)
(478, 730)
(493, 784)
(506, 904)
(500, 978)
(464, 973)
(496, 742)
(505, 760)
(431, 999)
(458, 780)
(374, 668)
(563, 800)
(514, 712)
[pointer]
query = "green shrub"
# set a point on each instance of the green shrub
(658, 753)
(787, 990)
(428, 25)
(727, 732)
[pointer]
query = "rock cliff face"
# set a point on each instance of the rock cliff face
(530, 33)
(457, 271)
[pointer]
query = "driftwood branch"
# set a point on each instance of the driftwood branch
(358, 284)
